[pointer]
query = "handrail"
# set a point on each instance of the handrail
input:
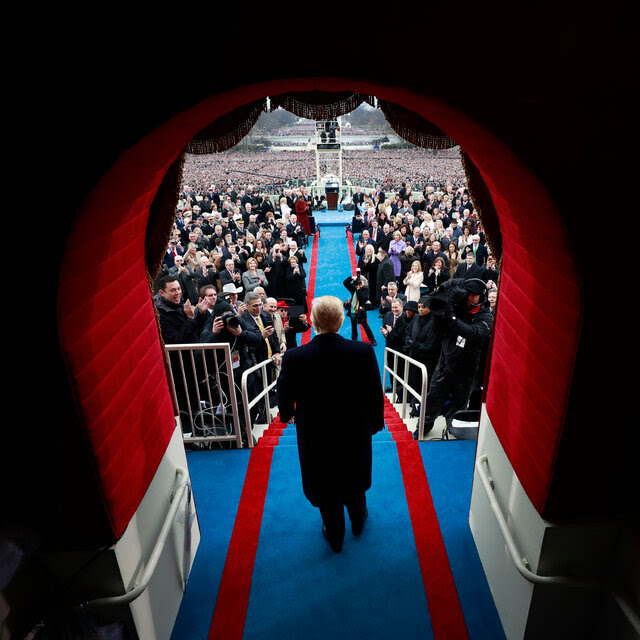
(265, 392)
(522, 564)
(208, 346)
(420, 396)
(181, 486)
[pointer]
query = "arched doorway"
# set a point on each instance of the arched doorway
(111, 340)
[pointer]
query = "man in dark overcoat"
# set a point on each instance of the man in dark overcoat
(334, 419)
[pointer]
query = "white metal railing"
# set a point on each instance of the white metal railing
(266, 387)
(421, 395)
(210, 420)
(522, 564)
(181, 486)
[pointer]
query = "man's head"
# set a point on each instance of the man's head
(365, 235)
(327, 314)
(392, 288)
(178, 261)
(229, 264)
(270, 305)
(470, 257)
(210, 294)
(169, 288)
(396, 307)
(261, 292)
(254, 303)
(436, 246)
(475, 288)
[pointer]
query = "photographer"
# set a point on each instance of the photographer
(358, 304)
(226, 327)
(462, 319)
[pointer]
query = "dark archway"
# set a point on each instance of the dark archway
(111, 341)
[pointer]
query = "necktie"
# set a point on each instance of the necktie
(261, 327)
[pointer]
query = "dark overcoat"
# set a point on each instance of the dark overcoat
(333, 387)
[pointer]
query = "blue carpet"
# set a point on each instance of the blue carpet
(301, 589)
(333, 267)
(217, 478)
(449, 466)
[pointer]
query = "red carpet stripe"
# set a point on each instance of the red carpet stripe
(233, 595)
(447, 619)
(311, 286)
(354, 265)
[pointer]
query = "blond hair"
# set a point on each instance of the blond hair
(327, 314)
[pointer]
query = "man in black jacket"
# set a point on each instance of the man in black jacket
(394, 329)
(316, 384)
(384, 276)
(181, 324)
(462, 320)
(469, 268)
(358, 287)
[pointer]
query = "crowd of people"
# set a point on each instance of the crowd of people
(271, 171)
(235, 271)
(417, 251)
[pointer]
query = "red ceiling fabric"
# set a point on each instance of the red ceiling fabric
(109, 334)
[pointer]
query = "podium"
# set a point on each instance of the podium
(331, 190)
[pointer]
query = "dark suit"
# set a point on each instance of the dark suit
(481, 253)
(226, 277)
(256, 343)
(385, 307)
(384, 276)
(316, 384)
(376, 235)
(208, 278)
(474, 271)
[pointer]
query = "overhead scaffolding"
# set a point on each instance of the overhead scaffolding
(329, 158)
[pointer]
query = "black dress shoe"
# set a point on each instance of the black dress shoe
(374, 344)
(357, 529)
(335, 545)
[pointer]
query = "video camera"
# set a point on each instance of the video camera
(452, 293)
